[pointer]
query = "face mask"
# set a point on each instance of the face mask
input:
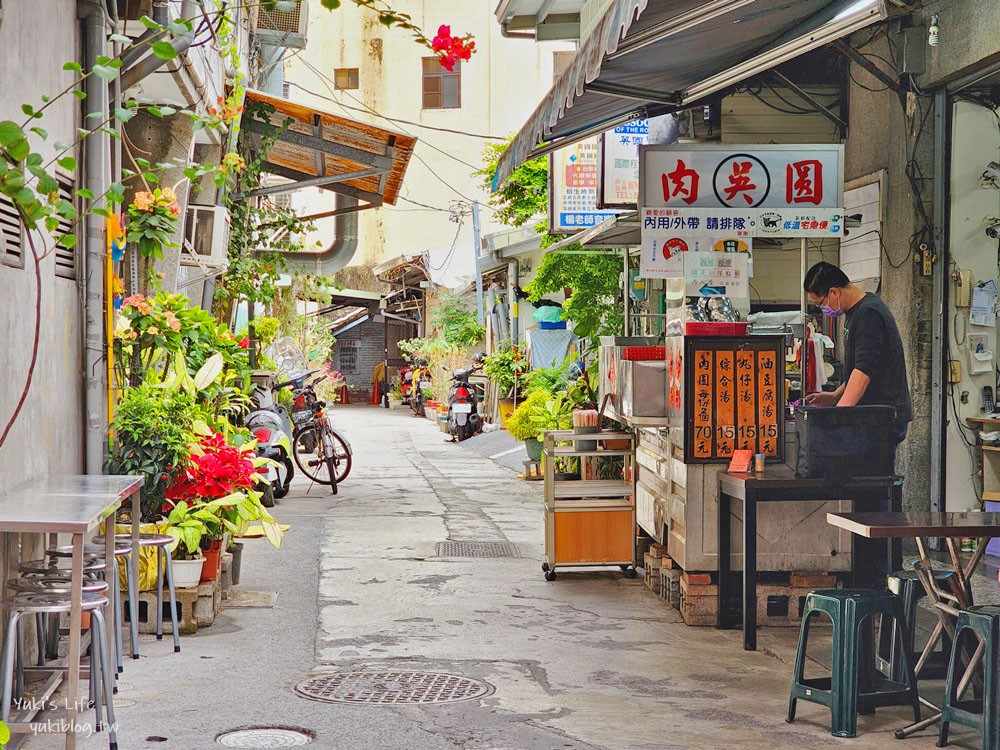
(830, 312)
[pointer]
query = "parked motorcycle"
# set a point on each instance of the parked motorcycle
(463, 403)
(268, 422)
(421, 383)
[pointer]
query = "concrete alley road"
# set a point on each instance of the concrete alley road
(591, 661)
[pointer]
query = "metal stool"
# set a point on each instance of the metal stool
(50, 603)
(847, 691)
(161, 542)
(983, 714)
(49, 585)
(92, 567)
(97, 551)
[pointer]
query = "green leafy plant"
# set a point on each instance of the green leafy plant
(520, 425)
(595, 304)
(506, 368)
(152, 431)
(454, 317)
(524, 196)
(188, 524)
(556, 413)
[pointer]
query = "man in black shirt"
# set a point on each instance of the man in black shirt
(874, 373)
(874, 369)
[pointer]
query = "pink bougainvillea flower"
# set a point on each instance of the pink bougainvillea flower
(244, 343)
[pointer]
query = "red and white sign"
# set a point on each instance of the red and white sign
(742, 177)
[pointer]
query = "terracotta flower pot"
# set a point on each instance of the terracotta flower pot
(213, 560)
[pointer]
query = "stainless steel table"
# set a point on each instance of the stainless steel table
(74, 505)
(947, 604)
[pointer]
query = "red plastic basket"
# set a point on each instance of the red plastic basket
(695, 328)
(644, 353)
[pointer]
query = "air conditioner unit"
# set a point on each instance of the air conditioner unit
(206, 237)
(283, 28)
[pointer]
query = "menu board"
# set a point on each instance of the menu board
(735, 389)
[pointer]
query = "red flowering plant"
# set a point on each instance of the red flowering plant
(452, 49)
(217, 488)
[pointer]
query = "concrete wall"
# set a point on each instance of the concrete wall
(881, 137)
(36, 38)
(975, 141)
(501, 85)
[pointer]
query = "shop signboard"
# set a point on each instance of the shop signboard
(618, 184)
(573, 177)
(819, 223)
(742, 177)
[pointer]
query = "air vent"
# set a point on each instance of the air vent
(11, 234)
(66, 256)
(283, 28)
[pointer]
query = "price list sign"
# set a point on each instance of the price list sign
(736, 403)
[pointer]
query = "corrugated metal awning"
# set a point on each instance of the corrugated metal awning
(319, 149)
(651, 57)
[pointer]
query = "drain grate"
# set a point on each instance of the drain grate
(476, 549)
(263, 737)
(392, 687)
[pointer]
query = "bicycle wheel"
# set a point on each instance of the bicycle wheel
(342, 455)
(314, 463)
(307, 449)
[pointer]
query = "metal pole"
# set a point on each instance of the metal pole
(96, 180)
(804, 263)
(251, 333)
(513, 277)
(939, 301)
(479, 270)
(625, 286)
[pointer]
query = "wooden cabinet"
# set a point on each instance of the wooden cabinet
(589, 513)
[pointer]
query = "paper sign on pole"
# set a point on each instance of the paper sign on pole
(619, 175)
(716, 275)
(666, 257)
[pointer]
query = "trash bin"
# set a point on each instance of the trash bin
(845, 442)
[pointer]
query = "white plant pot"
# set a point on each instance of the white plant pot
(187, 573)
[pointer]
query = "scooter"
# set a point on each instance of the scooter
(421, 382)
(463, 404)
(269, 424)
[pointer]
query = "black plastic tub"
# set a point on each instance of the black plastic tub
(845, 442)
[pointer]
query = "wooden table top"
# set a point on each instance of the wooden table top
(910, 525)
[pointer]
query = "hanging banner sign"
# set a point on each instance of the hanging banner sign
(716, 275)
(742, 177)
(618, 186)
(573, 173)
(740, 223)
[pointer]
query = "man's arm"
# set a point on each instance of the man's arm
(868, 338)
(854, 389)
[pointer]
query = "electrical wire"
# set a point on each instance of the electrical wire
(451, 252)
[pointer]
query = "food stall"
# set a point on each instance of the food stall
(709, 384)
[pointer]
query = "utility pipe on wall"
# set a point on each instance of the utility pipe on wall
(95, 152)
(513, 278)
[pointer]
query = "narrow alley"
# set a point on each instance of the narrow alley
(591, 661)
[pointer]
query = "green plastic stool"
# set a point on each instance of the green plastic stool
(851, 611)
(981, 715)
(907, 586)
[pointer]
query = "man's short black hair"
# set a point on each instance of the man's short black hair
(823, 277)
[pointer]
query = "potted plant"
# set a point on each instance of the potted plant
(520, 425)
(220, 481)
(188, 525)
(506, 368)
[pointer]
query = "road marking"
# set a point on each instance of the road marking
(506, 453)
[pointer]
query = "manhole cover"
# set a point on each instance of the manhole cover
(124, 686)
(476, 549)
(264, 737)
(122, 703)
(392, 687)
